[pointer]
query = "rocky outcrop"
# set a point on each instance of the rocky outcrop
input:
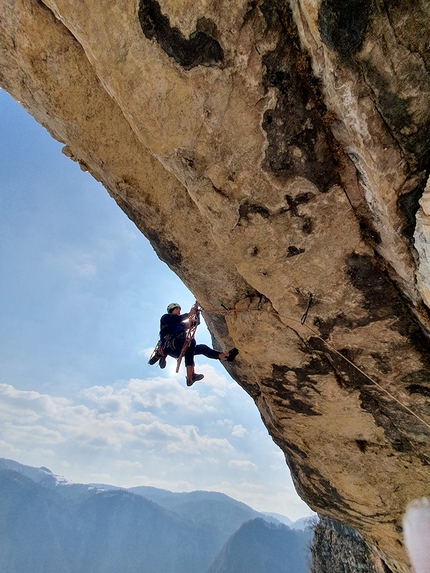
(337, 548)
(275, 154)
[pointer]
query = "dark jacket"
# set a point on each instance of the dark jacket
(172, 324)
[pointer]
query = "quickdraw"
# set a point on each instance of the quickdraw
(193, 322)
(305, 314)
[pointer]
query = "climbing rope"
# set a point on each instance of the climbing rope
(193, 322)
(366, 375)
(302, 322)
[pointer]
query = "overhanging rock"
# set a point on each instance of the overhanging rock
(269, 150)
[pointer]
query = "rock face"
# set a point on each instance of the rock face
(271, 150)
(338, 548)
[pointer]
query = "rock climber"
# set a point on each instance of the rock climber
(172, 338)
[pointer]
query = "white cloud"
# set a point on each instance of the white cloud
(30, 401)
(98, 441)
(112, 419)
(142, 417)
(239, 431)
(184, 439)
(44, 453)
(242, 464)
(128, 465)
(10, 414)
(225, 422)
(217, 383)
(31, 435)
(163, 393)
(252, 487)
(9, 450)
(146, 352)
(175, 433)
(107, 400)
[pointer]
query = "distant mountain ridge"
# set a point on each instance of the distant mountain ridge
(48, 524)
(42, 475)
(165, 498)
(103, 532)
(261, 546)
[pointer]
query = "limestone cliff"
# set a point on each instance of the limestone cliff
(268, 150)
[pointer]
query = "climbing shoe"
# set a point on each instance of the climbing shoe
(154, 359)
(162, 362)
(196, 378)
(232, 354)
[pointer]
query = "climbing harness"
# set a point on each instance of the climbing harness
(193, 322)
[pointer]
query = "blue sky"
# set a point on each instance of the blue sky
(82, 292)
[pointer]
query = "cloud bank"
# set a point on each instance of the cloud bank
(151, 431)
